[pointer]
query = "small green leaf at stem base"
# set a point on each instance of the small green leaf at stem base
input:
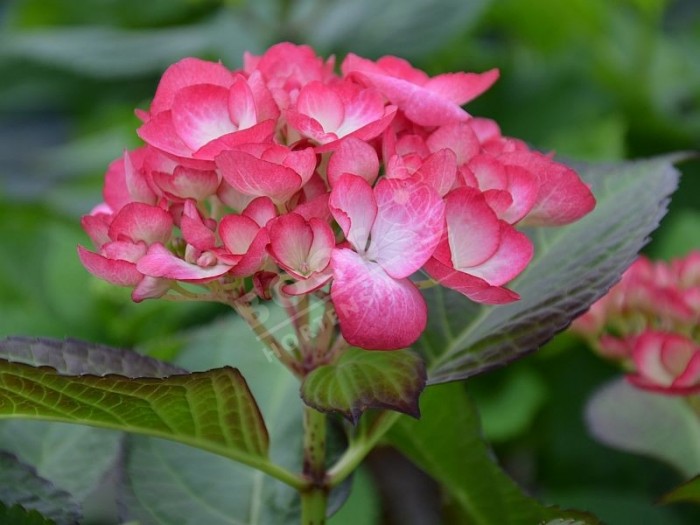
(362, 379)
(688, 492)
(17, 515)
(212, 410)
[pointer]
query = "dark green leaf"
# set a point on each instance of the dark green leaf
(665, 427)
(17, 515)
(212, 410)
(573, 267)
(446, 443)
(361, 379)
(687, 492)
(21, 485)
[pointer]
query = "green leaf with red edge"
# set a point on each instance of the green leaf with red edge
(463, 463)
(688, 492)
(573, 267)
(26, 497)
(361, 379)
(211, 410)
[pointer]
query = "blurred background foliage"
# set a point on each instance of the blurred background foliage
(593, 80)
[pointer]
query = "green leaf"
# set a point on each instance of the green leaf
(17, 515)
(665, 427)
(211, 410)
(166, 483)
(573, 266)
(361, 379)
(687, 492)
(21, 485)
(447, 444)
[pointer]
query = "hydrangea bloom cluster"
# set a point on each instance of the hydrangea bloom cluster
(338, 184)
(649, 322)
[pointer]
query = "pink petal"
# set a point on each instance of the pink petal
(472, 287)
(237, 232)
(409, 225)
(290, 241)
(141, 222)
(255, 257)
(150, 288)
(460, 138)
(647, 358)
(562, 196)
(321, 103)
(124, 250)
(97, 228)
(262, 210)
(187, 183)
(322, 245)
(187, 72)
(200, 114)
(313, 283)
(121, 273)
(353, 156)
(161, 262)
(690, 378)
(241, 105)
(194, 231)
(473, 230)
(513, 255)
(460, 88)
(160, 133)
(522, 185)
(353, 206)
(439, 171)
(259, 133)
(375, 311)
(253, 176)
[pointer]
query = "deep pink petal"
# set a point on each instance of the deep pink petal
(262, 210)
(514, 253)
(409, 224)
(194, 231)
(121, 273)
(460, 88)
(375, 311)
(141, 222)
(97, 228)
(439, 171)
(160, 133)
(472, 287)
(353, 206)
(161, 262)
(255, 256)
(241, 105)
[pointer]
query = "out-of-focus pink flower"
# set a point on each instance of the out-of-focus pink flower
(666, 362)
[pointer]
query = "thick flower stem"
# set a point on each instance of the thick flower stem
(314, 499)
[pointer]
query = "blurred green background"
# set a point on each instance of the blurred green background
(593, 80)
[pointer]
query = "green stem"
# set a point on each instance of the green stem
(314, 499)
(363, 445)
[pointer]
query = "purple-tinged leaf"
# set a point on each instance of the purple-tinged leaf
(362, 379)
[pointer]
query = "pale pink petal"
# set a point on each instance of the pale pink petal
(255, 257)
(141, 222)
(290, 241)
(187, 72)
(308, 127)
(200, 114)
(321, 103)
(472, 287)
(265, 106)
(161, 262)
(353, 156)
(322, 245)
(354, 208)
(439, 171)
(409, 224)
(233, 198)
(522, 186)
(375, 311)
(124, 250)
(316, 207)
(259, 133)
(367, 132)
(97, 228)
(121, 273)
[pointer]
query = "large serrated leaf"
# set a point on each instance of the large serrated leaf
(447, 444)
(573, 267)
(212, 410)
(21, 485)
(361, 379)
